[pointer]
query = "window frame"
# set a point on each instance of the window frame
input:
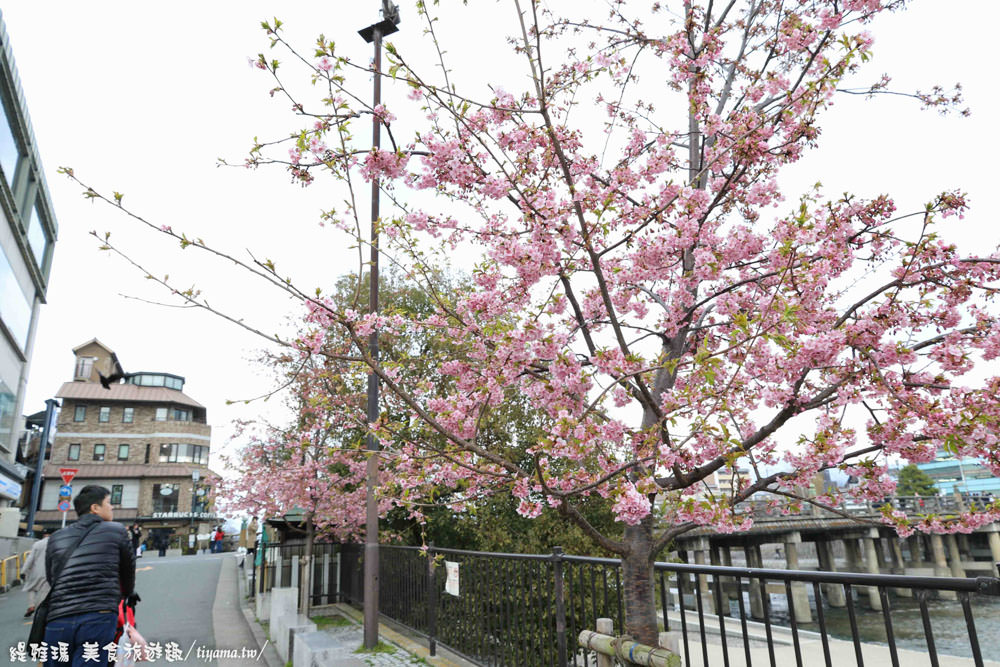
(158, 499)
(80, 413)
(104, 414)
(125, 445)
(119, 489)
(165, 412)
(130, 412)
(70, 450)
(103, 454)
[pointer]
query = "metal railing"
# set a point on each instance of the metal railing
(526, 610)
(5, 569)
(281, 566)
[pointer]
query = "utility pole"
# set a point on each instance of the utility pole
(36, 485)
(373, 34)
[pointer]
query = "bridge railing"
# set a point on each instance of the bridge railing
(914, 505)
(525, 610)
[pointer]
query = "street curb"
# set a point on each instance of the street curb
(406, 643)
(271, 657)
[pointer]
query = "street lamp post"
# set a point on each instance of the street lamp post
(374, 34)
(36, 485)
(195, 476)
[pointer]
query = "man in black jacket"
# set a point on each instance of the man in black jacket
(83, 606)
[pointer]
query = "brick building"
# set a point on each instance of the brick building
(141, 437)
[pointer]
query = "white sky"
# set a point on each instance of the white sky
(144, 97)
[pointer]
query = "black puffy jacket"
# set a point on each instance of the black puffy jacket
(100, 572)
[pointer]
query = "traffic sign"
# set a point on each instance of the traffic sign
(64, 506)
(68, 474)
(65, 491)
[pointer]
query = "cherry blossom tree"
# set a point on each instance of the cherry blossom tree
(642, 279)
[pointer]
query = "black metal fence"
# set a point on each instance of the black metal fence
(527, 610)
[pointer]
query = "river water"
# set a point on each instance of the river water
(948, 625)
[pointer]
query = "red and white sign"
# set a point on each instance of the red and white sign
(68, 474)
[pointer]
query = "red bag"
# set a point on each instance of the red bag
(126, 614)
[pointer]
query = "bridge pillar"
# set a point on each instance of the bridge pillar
(954, 556)
(879, 549)
(726, 555)
(913, 543)
(853, 553)
(754, 586)
(799, 596)
(872, 566)
(994, 538)
(701, 557)
(899, 565)
(941, 565)
(827, 563)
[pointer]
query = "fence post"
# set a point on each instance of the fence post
(326, 577)
(605, 626)
(339, 597)
(431, 602)
(557, 571)
(253, 572)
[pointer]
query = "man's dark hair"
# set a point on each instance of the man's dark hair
(89, 495)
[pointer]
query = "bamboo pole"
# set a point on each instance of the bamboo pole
(633, 653)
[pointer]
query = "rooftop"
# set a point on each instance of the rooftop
(93, 391)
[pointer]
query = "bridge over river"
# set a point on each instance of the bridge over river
(852, 540)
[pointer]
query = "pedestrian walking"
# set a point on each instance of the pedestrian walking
(91, 567)
(36, 584)
(219, 537)
(135, 533)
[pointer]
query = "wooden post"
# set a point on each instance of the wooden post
(605, 626)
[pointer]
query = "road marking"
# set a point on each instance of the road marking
(143, 569)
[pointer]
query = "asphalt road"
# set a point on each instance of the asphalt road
(184, 600)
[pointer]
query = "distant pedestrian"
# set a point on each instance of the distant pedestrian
(135, 532)
(95, 564)
(36, 584)
(219, 537)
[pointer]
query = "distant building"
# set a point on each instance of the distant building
(951, 474)
(27, 237)
(142, 437)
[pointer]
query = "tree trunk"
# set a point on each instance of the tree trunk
(637, 579)
(305, 581)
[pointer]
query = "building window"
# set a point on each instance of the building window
(98, 452)
(148, 447)
(183, 453)
(16, 312)
(9, 152)
(84, 366)
(161, 415)
(104, 415)
(38, 240)
(74, 452)
(116, 494)
(123, 452)
(182, 415)
(80, 413)
(128, 414)
(166, 452)
(165, 497)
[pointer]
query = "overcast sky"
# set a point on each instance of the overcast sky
(143, 98)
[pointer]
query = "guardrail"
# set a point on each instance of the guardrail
(4, 568)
